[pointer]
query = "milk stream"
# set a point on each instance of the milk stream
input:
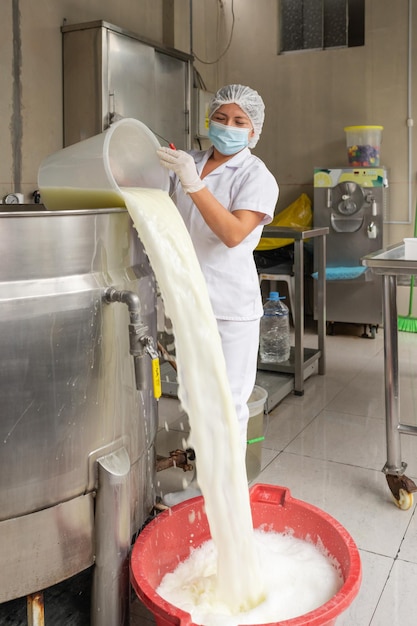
(204, 394)
(222, 583)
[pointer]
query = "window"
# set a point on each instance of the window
(321, 24)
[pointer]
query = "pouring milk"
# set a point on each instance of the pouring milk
(222, 582)
(204, 394)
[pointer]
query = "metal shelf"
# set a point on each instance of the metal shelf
(301, 359)
(288, 367)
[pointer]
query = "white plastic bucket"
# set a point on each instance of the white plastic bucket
(255, 434)
(89, 174)
(410, 248)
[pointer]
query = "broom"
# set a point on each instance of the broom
(407, 323)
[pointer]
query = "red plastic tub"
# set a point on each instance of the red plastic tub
(167, 541)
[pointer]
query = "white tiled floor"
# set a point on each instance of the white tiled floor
(328, 447)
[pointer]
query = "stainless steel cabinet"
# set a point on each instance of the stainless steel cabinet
(111, 73)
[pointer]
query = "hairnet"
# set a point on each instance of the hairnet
(249, 101)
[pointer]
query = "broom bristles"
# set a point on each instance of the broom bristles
(407, 324)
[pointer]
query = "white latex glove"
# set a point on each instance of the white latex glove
(184, 167)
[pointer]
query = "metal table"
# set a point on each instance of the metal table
(391, 263)
(301, 358)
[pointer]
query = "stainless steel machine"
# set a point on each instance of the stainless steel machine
(352, 203)
(77, 333)
(109, 73)
(78, 419)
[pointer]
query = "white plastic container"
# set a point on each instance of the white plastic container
(255, 434)
(363, 145)
(410, 248)
(89, 174)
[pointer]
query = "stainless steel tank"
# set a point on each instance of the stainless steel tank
(76, 433)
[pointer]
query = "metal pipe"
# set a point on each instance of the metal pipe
(191, 27)
(409, 121)
(16, 122)
(407, 429)
(110, 604)
(140, 343)
(176, 458)
(35, 609)
(179, 460)
(299, 318)
(320, 248)
(127, 297)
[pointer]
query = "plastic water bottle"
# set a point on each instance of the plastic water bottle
(275, 331)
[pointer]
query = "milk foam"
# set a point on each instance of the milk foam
(298, 578)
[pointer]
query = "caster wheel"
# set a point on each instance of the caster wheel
(404, 501)
(402, 489)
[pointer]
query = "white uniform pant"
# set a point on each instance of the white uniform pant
(240, 342)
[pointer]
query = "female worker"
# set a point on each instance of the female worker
(225, 196)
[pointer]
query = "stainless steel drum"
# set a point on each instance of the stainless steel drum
(71, 411)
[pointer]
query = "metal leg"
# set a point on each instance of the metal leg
(320, 243)
(110, 593)
(400, 485)
(392, 399)
(299, 318)
(35, 609)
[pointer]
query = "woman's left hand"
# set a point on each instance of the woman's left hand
(184, 167)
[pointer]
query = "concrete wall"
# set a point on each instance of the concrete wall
(309, 96)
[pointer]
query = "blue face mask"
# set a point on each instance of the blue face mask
(228, 139)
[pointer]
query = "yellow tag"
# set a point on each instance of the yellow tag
(156, 378)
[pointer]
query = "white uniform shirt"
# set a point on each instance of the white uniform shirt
(243, 182)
